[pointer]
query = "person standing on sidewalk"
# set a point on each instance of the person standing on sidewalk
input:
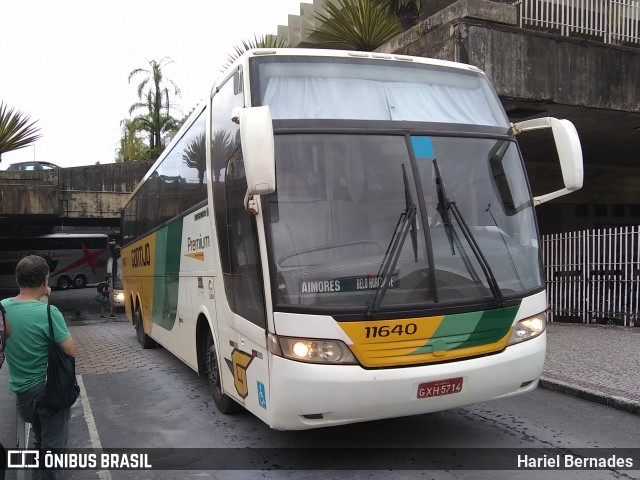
(105, 290)
(27, 351)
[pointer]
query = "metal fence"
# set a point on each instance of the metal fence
(610, 21)
(593, 276)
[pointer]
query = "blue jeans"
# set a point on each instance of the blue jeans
(50, 429)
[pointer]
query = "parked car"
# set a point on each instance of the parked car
(31, 166)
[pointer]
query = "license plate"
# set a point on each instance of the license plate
(440, 387)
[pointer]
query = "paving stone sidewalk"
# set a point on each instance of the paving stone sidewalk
(596, 362)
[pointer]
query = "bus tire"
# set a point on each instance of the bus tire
(63, 282)
(224, 403)
(80, 281)
(145, 340)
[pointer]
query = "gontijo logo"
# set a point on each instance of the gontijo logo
(141, 256)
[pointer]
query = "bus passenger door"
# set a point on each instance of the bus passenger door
(245, 294)
(241, 319)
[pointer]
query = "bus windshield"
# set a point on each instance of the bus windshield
(298, 87)
(340, 199)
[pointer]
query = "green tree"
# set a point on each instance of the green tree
(357, 24)
(153, 95)
(262, 41)
(132, 148)
(162, 124)
(397, 6)
(407, 11)
(16, 130)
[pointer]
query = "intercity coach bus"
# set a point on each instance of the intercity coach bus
(336, 237)
(75, 260)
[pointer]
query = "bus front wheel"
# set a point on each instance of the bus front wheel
(224, 403)
(145, 340)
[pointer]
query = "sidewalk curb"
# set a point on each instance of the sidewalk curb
(593, 396)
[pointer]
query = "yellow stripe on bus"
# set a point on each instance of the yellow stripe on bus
(387, 342)
(383, 343)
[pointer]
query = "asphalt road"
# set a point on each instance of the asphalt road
(135, 398)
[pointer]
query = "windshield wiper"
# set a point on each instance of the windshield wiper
(444, 207)
(406, 222)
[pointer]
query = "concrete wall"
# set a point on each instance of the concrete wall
(540, 66)
(29, 193)
(98, 191)
(85, 195)
(534, 66)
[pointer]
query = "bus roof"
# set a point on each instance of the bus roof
(316, 52)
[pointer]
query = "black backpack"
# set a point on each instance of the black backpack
(101, 287)
(3, 328)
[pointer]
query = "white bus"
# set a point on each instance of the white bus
(74, 259)
(336, 237)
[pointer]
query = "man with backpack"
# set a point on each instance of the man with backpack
(27, 356)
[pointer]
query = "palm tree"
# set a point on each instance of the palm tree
(357, 24)
(262, 41)
(407, 11)
(160, 125)
(16, 130)
(195, 156)
(398, 5)
(153, 94)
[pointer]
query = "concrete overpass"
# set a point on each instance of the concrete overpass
(79, 199)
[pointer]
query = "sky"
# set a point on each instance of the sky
(66, 63)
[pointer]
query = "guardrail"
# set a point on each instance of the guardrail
(610, 21)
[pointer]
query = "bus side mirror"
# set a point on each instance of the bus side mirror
(569, 153)
(258, 151)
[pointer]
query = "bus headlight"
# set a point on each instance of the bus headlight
(528, 328)
(119, 296)
(312, 350)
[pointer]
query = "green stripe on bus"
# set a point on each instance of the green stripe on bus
(472, 329)
(167, 269)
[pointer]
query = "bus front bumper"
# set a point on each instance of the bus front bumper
(304, 396)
